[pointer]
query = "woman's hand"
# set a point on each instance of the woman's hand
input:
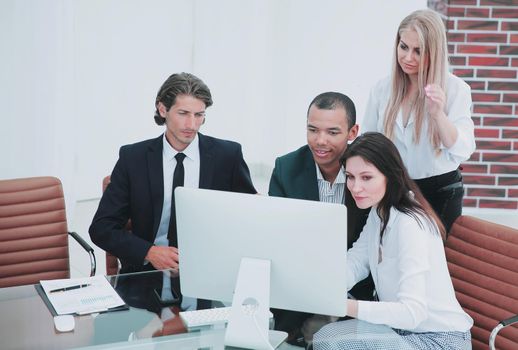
(352, 308)
(435, 100)
(436, 104)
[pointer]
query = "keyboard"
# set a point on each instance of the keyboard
(208, 317)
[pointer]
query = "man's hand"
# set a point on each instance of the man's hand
(172, 325)
(162, 257)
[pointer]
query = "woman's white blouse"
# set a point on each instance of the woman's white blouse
(412, 280)
(421, 159)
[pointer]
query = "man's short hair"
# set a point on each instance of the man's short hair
(181, 84)
(333, 100)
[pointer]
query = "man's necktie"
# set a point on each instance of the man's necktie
(178, 179)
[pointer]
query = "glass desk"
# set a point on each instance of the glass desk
(26, 322)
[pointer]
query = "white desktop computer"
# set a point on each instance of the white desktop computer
(261, 251)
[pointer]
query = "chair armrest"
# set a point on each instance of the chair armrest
(497, 329)
(89, 249)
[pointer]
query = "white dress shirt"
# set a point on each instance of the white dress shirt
(331, 192)
(191, 165)
(412, 279)
(420, 159)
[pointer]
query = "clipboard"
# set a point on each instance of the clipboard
(103, 290)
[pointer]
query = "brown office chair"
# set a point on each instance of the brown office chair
(112, 263)
(483, 262)
(33, 232)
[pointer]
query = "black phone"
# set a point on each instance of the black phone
(166, 300)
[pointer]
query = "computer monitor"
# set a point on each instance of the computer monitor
(303, 242)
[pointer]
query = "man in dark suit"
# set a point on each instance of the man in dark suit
(142, 182)
(315, 172)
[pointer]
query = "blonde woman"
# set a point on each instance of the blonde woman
(425, 111)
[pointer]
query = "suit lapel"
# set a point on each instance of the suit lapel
(312, 188)
(206, 162)
(309, 177)
(156, 180)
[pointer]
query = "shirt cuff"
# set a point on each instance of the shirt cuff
(364, 310)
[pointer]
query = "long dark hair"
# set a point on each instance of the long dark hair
(401, 192)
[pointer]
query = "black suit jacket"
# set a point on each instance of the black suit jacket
(295, 176)
(136, 192)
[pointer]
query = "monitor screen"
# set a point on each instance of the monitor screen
(304, 241)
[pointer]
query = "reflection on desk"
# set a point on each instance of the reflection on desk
(26, 323)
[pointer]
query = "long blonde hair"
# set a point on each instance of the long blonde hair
(433, 67)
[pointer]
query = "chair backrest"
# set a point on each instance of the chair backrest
(112, 263)
(483, 262)
(33, 231)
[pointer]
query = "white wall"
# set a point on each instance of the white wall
(268, 61)
(35, 68)
(123, 50)
(79, 77)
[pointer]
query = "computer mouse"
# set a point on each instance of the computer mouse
(64, 323)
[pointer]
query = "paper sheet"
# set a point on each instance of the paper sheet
(98, 296)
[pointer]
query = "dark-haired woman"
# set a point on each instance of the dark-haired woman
(401, 245)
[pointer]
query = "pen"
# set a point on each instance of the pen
(64, 289)
(91, 311)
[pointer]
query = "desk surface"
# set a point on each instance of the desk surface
(26, 322)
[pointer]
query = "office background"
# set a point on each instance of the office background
(79, 77)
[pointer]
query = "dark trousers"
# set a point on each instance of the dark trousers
(152, 282)
(444, 193)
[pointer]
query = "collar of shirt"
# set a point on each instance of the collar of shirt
(340, 178)
(378, 223)
(331, 193)
(191, 152)
(410, 123)
(394, 214)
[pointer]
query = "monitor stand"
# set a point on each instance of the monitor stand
(250, 315)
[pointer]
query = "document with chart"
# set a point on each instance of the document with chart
(81, 295)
